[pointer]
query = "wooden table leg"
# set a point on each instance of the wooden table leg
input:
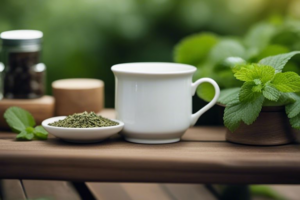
(229, 192)
(83, 190)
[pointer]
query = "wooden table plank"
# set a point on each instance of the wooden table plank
(50, 190)
(11, 190)
(145, 191)
(188, 191)
(202, 157)
(290, 192)
(133, 191)
(108, 191)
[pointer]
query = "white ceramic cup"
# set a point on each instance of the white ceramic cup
(154, 100)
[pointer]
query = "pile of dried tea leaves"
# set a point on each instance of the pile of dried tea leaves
(84, 120)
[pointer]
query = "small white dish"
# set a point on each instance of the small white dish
(81, 135)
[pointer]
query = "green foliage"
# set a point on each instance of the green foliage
(213, 57)
(229, 95)
(295, 122)
(40, 133)
(25, 135)
(293, 111)
(284, 99)
(264, 39)
(22, 122)
(255, 72)
(94, 35)
(233, 61)
(262, 85)
(18, 119)
(271, 80)
(273, 49)
(278, 61)
(248, 92)
(206, 91)
(286, 82)
(237, 112)
(271, 93)
(265, 192)
(245, 192)
(193, 49)
(226, 48)
(259, 36)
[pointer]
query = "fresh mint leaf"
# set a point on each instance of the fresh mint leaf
(284, 99)
(194, 49)
(247, 94)
(271, 93)
(40, 129)
(18, 119)
(257, 88)
(293, 109)
(254, 71)
(278, 62)
(29, 129)
(228, 95)
(295, 122)
(287, 82)
(25, 135)
(40, 133)
(257, 81)
(242, 72)
(237, 112)
(237, 67)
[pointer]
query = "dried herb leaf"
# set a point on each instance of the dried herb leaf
(84, 120)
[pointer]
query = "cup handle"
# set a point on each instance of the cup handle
(196, 115)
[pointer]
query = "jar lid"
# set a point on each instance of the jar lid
(21, 37)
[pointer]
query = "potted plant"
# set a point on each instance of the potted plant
(225, 59)
(259, 112)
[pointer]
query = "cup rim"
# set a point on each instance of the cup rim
(127, 68)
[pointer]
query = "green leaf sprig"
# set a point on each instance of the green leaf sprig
(264, 85)
(22, 122)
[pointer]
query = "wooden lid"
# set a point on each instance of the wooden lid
(77, 84)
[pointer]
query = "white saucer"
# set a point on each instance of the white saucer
(81, 135)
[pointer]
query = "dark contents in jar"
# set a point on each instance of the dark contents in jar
(22, 78)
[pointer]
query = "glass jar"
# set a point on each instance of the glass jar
(24, 76)
(1, 79)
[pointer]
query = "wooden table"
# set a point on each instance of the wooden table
(202, 156)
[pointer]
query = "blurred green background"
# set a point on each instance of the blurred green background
(84, 38)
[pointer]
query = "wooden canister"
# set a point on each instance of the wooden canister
(78, 95)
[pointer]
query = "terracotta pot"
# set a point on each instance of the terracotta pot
(272, 127)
